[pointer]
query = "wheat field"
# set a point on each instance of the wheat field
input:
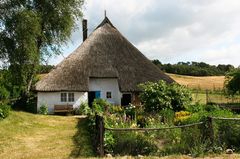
(200, 83)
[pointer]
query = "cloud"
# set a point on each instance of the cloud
(172, 31)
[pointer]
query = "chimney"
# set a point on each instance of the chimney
(84, 27)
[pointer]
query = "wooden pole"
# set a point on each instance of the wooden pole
(101, 137)
(210, 129)
(207, 100)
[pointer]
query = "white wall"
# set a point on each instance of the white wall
(54, 98)
(106, 85)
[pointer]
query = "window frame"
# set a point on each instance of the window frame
(109, 95)
(71, 98)
(62, 97)
(66, 97)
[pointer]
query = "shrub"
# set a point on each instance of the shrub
(167, 115)
(160, 95)
(100, 106)
(4, 110)
(43, 109)
(131, 111)
(134, 144)
(4, 94)
(83, 109)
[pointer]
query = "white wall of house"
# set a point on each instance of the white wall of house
(106, 85)
(54, 98)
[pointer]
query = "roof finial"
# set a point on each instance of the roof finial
(105, 13)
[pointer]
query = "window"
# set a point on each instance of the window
(63, 97)
(109, 94)
(71, 97)
(67, 97)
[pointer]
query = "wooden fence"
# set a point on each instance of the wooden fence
(100, 130)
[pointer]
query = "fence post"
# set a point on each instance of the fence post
(100, 135)
(207, 98)
(210, 129)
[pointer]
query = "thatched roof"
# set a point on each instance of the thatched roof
(104, 54)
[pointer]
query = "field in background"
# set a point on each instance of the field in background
(28, 136)
(206, 89)
(200, 83)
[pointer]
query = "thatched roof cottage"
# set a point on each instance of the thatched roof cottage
(106, 65)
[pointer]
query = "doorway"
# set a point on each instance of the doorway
(126, 99)
(93, 95)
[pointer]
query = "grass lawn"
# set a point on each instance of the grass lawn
(28, 136)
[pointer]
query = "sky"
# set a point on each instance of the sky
(169, 30)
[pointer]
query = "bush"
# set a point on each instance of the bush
(160, 95)
(4, 94)
(100, 106)
(43, 109)
(83, 109)
(167, 116)
(4, 110)
(134, 144)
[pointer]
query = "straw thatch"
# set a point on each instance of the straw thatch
(104, 54)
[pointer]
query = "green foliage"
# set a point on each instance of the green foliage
(160, 95)
(130, 111)
(194, 68)
(33, 31)
(43, 109)
(83, 109)
(133, 144)
(4, 93)
(4, 110)
(100, 106)
(167, 115)
(109, 142)
(228, 134)
(232, 82)
(44, 69)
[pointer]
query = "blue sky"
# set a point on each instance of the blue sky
(170, 30)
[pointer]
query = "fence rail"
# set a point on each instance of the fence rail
(220, 118)
(100, 129)
(152, 129)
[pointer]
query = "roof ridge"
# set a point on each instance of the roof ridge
(105, 21)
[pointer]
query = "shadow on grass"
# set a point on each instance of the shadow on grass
(83, 146)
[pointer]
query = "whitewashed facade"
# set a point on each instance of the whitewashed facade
(54, 98)
(104, 85)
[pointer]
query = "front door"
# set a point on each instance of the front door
(93, 95)
(126, 99)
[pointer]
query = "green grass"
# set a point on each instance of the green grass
(25, 135)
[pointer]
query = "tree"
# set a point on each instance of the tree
(232, 82)
(32, 30)
(160, 95)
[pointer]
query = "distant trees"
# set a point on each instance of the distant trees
(194, 68)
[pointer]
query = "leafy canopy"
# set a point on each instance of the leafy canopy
(33, 30)
(232, 82)
(160, 95)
